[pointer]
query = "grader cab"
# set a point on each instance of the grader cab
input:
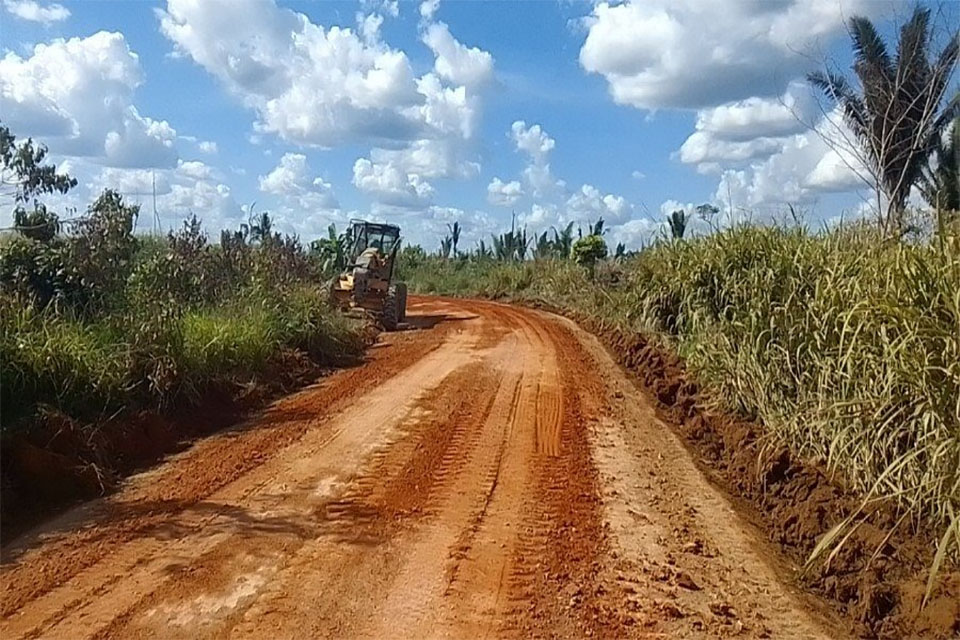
(366, 284)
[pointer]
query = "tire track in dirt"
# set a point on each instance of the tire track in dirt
(509, 483)
(402, 496)
(255, 503)
(562, 537)
(418, 603)
(82, 537)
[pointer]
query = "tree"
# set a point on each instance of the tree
(678, 223)
(595, 229)
(455, 230)
(940, 180)
(24, 178)
(511, 245)
(104, 245)
(898, 113)
(543, 247)
(261, 228)
(588, 249)
(563, 240)
(707, 212)
(331, 251)
(482, 252)
(446, 245)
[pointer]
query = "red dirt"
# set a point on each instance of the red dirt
(492, 473)
(186, 480)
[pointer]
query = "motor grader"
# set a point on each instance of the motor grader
(366, 284)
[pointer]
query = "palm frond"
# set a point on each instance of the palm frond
(914, 44)
(869, 46)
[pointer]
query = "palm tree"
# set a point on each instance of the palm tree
(940, 182)
(513, 244)
(596, 229)
(455, 229)
(898, 112)
(563, 240)
(261, 228)
(332, 251)
(678, 224)
(483, 251)
(543, 247)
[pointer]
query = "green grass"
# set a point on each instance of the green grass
(91, 368)
(62, 362)
(844, 347)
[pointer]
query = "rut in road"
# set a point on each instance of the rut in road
(490, 474)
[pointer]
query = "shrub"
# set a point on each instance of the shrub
(588, 249)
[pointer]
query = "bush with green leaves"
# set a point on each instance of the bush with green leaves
(588, 250)
(97, 319)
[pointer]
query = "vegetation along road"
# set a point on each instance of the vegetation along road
(490, 472)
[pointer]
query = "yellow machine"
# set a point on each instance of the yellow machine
(367, 282)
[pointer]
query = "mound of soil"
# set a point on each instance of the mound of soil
(878, 576)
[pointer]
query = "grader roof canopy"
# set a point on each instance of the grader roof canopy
(382, 236)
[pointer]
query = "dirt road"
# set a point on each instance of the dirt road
(491, 473)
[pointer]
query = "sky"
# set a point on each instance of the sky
(427, 113)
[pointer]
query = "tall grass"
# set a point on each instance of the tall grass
(845, 347)
(89, 368)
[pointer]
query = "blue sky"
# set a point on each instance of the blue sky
(430, 113)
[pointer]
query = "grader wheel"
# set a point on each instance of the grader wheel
(390, 317)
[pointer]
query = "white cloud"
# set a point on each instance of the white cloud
(369, 26)
(428, 8)
(211, 201)
(207, 146)
(316, 85)
(292, 179)
(390, 185)
(447, 110)
(428, 226)
(542, 182)
(191, 188)
(308, 84)
(638, 175)
(731, 134)
(504, 194)
(429, 158)
(582, 207)
(133, 184)
(195, 169)
(535, 142)
(77, 95)
(808, 165)
(471, 67)
(707, 151)
(35, 12)
(588, 204)
(392, 7)
(532, 140)
(760, 117)
(325, 86)
(838, 170)
(691, 54)
(540, 216)
(634, 233)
